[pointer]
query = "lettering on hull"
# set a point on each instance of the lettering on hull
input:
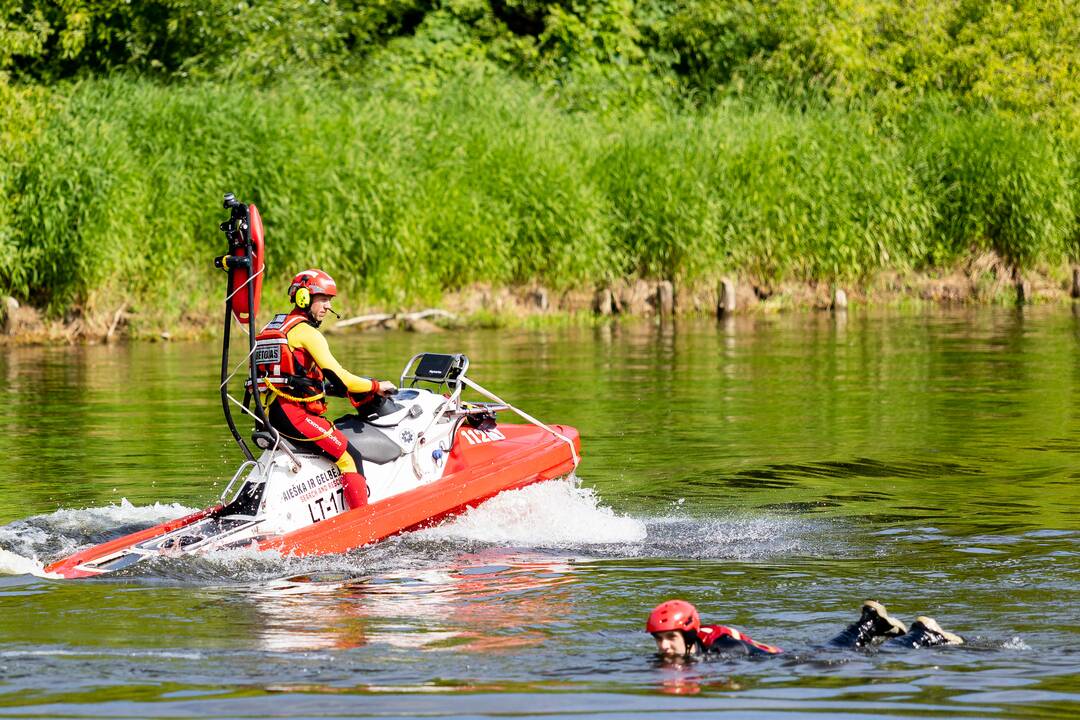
(478, 437)
(305, 489)
(327, 506)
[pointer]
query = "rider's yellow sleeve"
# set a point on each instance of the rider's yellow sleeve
(305, 337)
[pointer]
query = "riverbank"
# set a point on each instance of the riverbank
(982, 278)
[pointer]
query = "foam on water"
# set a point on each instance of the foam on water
(1015, 643)
(561, 515)
(109, 516)
(15, 564)
(737, 536)
(232, 564)
(65, 531)
(549, 514)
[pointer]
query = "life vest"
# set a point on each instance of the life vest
(287, 374)
(721, 638)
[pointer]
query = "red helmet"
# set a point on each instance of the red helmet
(673, 615)
(312, 282)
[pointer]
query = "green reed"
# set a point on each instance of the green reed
(111, 190)
(995, 183)
(778, 193)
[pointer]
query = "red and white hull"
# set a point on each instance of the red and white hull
(479, 465)
(474, 473)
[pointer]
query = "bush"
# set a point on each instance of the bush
(1020, 57)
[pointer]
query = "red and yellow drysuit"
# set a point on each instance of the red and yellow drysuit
(293, 360)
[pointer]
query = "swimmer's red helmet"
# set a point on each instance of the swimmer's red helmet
(673, 615)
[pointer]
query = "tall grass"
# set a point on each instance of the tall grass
(995, 183)
(781, 194)
(111, 190)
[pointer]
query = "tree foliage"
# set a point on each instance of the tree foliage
(1018, 56)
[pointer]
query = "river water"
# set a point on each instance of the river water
(776, 471)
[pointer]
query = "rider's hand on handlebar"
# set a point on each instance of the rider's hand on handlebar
(385, 387)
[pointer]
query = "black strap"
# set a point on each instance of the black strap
(304, 384)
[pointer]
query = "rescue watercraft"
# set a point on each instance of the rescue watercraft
(428, 453)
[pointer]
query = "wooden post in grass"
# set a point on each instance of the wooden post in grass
(839, 300)
(725, 303)
(665, 298)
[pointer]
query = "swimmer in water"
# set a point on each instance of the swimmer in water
(676, 627)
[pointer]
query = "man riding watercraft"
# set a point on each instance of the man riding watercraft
(676, 627)
(296, 371)
(427, 453)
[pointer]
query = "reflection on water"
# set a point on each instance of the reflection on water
(301, 614)
(775, 470)
(480, 597)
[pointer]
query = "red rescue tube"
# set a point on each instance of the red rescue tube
(238, 292)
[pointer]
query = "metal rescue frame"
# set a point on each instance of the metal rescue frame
(237, 231)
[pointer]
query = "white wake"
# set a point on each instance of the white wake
(549, 514)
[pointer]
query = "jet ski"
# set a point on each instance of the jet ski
(428, 454)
